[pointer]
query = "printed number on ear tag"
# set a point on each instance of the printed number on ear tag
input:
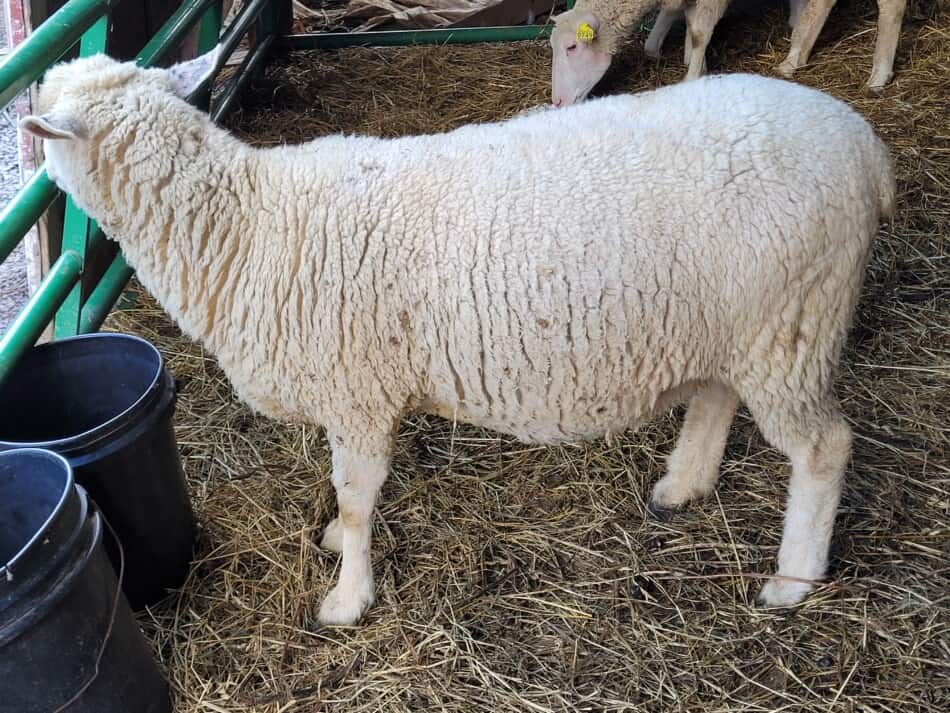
(585, 33)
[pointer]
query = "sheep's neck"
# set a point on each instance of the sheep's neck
(186, 234)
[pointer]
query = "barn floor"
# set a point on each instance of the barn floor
(521, 579)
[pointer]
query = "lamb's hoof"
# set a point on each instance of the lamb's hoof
(660, 513)
(786, 69)
(782, 593)
(345, 608)
(876, 84)
(653, 53)
(333, 537)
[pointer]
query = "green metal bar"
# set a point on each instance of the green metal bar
(21, 213)
(210, 28)
(235, 32)
(32, 320)
(101, 299)
(48, 43)
(78, 229)
(242, 77)
(172, 32)
(398, 38)
(276, 19)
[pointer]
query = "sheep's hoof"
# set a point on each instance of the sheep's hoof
(783, 592)
(786, 69)
(877, 83)
(660, 513)
(344, 608)
(653, 52)
(333, 536)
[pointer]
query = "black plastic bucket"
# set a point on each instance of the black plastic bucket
(105, 403)
(68, 640)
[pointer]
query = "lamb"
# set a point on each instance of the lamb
(557, 276)
(586, 37)
(813, 17)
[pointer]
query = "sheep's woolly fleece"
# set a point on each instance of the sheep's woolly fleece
(326, 277)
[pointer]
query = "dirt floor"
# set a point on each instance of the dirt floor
(514, 578)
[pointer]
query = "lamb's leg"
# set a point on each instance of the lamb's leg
(661, 28)
(687, 46)
(701, 20)
(795, 8)
(357, 478)
(819, 452)
(693, 466)
(890, 16)
(810, 21)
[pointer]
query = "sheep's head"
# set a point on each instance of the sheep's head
(91, 104)
(580, 56)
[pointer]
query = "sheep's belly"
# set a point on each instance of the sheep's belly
(558, 422)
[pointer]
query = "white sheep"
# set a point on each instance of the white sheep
(812, 19)
(559, 276)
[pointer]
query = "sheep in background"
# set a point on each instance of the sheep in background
(813, 17)
(586, 38)
(705, 241)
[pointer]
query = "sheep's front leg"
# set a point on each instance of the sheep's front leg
(661, 28)
(357, 478)
(807, 28)
(693, 466)
(890, 16)
(700, 22)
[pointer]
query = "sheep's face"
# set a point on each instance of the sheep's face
(91, 106)
(579, 57)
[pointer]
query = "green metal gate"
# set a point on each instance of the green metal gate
(61, 297)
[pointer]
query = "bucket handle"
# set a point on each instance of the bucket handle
(112, 616)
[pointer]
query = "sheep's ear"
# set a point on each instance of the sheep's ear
(186, 77)
(53, 127)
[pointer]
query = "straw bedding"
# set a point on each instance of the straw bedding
(513, 578)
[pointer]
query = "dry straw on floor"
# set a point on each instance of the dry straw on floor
(515, 578)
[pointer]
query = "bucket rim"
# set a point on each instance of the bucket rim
(96, 433)
(7, 568)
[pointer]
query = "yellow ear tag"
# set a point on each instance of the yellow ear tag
(585, 33)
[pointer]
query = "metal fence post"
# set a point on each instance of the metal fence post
(79, 232)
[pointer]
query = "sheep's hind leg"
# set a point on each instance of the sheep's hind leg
(700, 22)
(807, 28)
(693, 466)
(819, 448)
(661, 28)
(795, 8)
(890, 15)
(357, 479)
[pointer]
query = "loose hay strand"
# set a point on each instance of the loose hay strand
(514, 578)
